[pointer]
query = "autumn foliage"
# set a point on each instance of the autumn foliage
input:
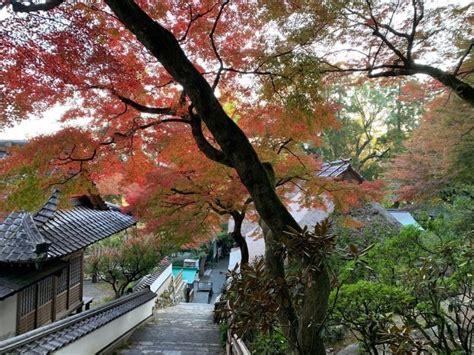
(138, 142)
(438, 157)
(197, 111)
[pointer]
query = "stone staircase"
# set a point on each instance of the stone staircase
(184, 329)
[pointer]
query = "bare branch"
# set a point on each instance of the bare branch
(214, 47)
(193, 18)
(376, 32)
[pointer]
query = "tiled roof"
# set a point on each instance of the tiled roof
(147, 280)
(52, 233)
(47, 211)
(75, 229)
(59, 334)
(337, 168)
(334, 168)
(20, 239)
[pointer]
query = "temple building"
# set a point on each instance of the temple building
(41, 259)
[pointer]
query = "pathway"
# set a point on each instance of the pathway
(216, 275)
(101, 292)
(184, 329)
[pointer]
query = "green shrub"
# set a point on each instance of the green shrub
(368, 308)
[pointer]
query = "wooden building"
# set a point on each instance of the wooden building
(41, 260)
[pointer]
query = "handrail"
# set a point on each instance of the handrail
(235, 345)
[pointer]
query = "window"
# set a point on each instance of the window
(62, 282)
(75, 271)
(45, 291)
(27, 300)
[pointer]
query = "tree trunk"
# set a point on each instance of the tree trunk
(304, 329)
(233, 142)
(239, 238)
(312, 313)
(275, 265)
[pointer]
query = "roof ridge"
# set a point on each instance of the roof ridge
(54, 233)
(31, 244)
(48, 210)
(34, 235)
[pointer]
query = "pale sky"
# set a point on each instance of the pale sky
(32, 127)
(49, 122)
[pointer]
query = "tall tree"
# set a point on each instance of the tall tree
(384, 39)
(374, 120)
(439, 157)
(117, 63)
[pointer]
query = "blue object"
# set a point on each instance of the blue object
(189, 274)
(405, 218)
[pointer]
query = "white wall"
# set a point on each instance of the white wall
(102, 337)
(8, 308)
(234, 258)
(256, 245)
(253, 233)
(167, 273)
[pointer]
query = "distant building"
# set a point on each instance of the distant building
(338, 169)
(41, 260)
(6, 145)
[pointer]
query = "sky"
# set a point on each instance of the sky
(49, 122)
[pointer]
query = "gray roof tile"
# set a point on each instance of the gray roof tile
(337, 168)
(57, 335)
(147, 280)
(20, 238)
(52, 233)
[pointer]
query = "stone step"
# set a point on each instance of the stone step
(184, 329)
(186, 310)
(154, 351)
(181, 346)
(185, 317)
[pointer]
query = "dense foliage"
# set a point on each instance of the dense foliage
(413, 291)
(373, 122)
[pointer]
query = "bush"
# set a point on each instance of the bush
(273, 343)
(432, 269)
(368, 308)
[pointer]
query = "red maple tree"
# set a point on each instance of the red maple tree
(438, 157)
(158, 100)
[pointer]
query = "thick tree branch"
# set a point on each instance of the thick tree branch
(404, 65)
(203, 144)
(31, 6)
(146, 109)
(238, 237)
